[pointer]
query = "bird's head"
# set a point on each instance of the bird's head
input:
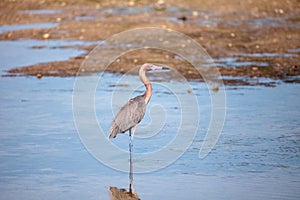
(150, 67)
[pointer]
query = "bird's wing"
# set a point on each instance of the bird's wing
(129, 115)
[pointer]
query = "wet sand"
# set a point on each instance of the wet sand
(251, 38)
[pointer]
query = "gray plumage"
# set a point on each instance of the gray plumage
(129, 116)
(133, 111)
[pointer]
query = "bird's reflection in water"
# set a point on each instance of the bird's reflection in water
(122, 194)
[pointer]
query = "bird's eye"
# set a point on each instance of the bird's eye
(152, 66)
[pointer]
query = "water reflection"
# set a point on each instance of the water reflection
(130, 166)
(121, 193)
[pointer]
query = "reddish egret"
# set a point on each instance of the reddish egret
(133, 112)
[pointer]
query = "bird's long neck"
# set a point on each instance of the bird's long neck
(147, 84)
(148, 92)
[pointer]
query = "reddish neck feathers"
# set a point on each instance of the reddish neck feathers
(146, 82)
(148, 92)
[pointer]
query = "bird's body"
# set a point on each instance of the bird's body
(129, 116)
(133, 111)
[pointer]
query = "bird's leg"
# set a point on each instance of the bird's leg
(133, 131)
(130, 140)
(130, 162)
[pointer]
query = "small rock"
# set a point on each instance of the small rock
(182, 18)
(131, 3)
(46, 36)
(195, 13)
(295, 67)
(160, 5)
(215, 89)
(39, 76)
(280, 11)
(98, 6)
(9, 34)
(229, 45)
(254, 68)
(232, 34)
(160, 2)
(257, 46)
(189, 91)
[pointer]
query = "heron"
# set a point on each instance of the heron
(131, 114)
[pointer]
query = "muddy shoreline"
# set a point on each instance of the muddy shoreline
(253, 39)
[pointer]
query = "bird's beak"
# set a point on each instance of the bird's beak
(154, 67)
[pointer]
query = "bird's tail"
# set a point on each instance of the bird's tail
(112, 135)
(113, 131)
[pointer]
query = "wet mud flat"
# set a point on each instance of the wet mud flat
(247, 40)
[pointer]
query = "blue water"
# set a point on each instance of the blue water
(41, 12)
(42, 157)
(7, 28)
(20, 53)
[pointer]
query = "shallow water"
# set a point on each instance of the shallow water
(7, 28)
(256, 157)
(258, 23)
(234, 62)
(259, 55)
(26, 52)
(41, 12)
